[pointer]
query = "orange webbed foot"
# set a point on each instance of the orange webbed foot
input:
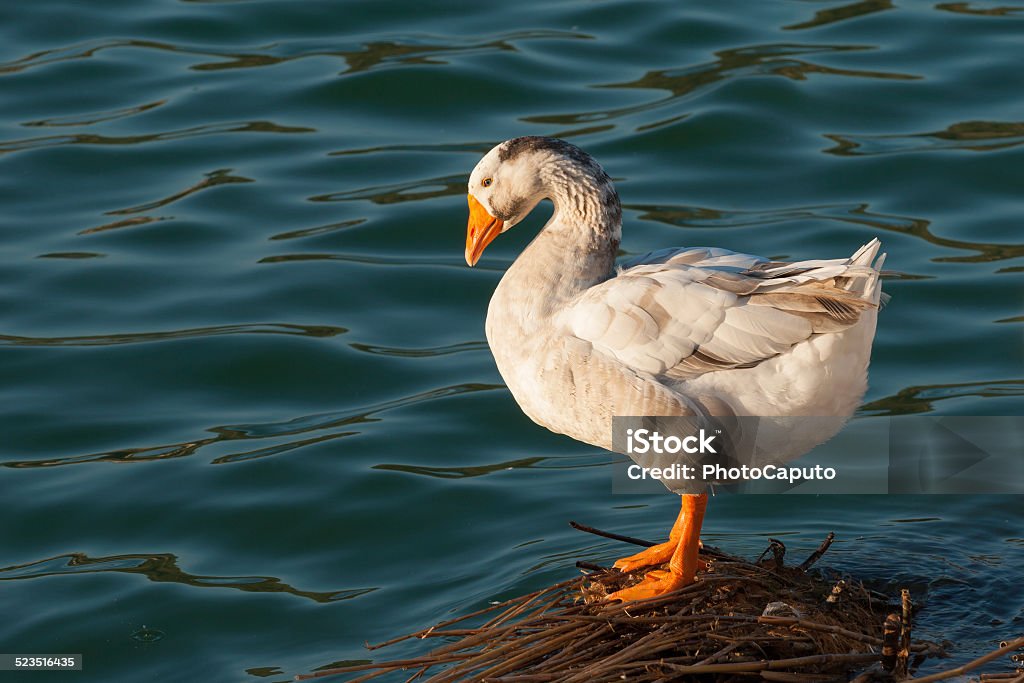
(681, 551)
(651, 557)
(655, 584)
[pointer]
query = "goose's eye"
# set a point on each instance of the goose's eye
(486, 182)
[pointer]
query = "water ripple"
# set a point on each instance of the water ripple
(467, 147)
(9, 146)
(975, 136)
(398, 50)
(72, 254)
(858, 214)
(258, 453)
(401, 50)
(824, 17)
(145, 337)
(428, 50)
(70, 52)
(414, 191)
(132, 222)
(921, 399)
(319, 421)
(473, 147)
(368, 259)
(966, 8)
(163, 568)
(318, 230)
(775, 59)
(94, 117)
(241, 432)
(462, 472)
(213, 179)
(429, 352)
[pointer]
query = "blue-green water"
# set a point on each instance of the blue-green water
(247, 403)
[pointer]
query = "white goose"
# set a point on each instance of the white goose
(690, 332)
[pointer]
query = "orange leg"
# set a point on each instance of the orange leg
(656, 554)
(682, 562)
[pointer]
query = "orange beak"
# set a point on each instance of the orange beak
(481, 231)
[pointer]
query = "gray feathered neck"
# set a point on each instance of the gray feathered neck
(578, 185)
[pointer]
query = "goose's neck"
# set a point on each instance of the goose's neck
(574, 251)
(586, 203)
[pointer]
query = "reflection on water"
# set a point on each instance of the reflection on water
(968, 8)
(278, 449)
(383, 52)
(439, 261)
(246, 432)
(480, 148)
(462, 472)
(145, 337)
(404, 52)
(922, 399)
(163, 568)
(72, 255)
(975, 136)
(212, 179)
(474, 148)
(401, 52)
(132, 222)
(94, 117)
(823, 17)
(180, 134)
(859, 214)
(777, 59)
(421, 352)
(417, 190)
(318, 230)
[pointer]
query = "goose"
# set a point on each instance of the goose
(698, 332)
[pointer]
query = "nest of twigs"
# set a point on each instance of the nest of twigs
(740, 621)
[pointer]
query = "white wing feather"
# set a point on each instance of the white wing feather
(685, 312)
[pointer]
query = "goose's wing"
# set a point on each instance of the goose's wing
(685, 312)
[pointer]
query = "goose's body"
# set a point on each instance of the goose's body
(692, 332)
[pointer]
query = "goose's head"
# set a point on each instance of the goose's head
(503, 189)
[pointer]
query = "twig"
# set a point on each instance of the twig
(705, 550)
(778, 550)
(774, 663)
(721, 653)
(903, 653)
(613, 536)
(394, 664)
(786, 677)
(591, 566)
(837, 591)
(816, 555)
(890, 641)
(795, 622)
(490, 608)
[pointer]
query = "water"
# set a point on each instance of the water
(249, 418)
